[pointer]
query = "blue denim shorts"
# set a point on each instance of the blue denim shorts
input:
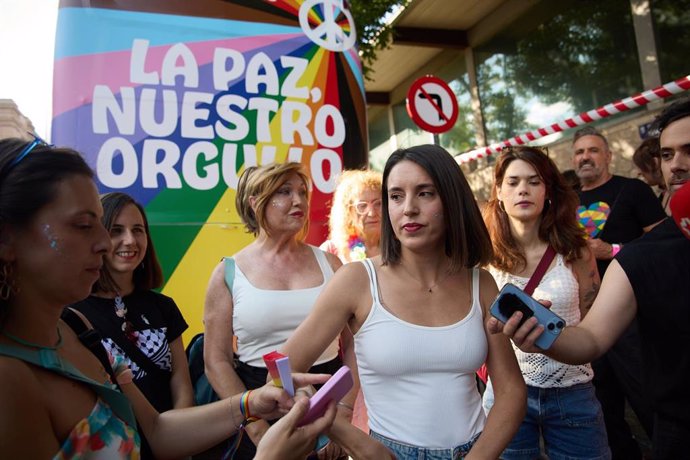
(404, 451)
(570, 421)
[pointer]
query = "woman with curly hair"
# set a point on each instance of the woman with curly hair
(355, 232)
(355, 219)
(531, 209)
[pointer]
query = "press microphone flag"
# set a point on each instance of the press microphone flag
(680, 208)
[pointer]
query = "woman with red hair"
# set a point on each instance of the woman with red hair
(531, 210)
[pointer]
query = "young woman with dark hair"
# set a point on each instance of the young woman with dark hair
(57, 399)
(141, 327)
(417, 313)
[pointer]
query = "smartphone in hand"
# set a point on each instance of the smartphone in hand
(512, 299)
(333, 390)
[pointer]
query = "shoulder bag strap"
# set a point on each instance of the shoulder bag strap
(89, 337)
(50, 360)
(229, 272)
(539, 272)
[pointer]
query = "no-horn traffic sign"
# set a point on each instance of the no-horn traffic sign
(432, 104)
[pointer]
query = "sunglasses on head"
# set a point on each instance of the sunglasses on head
(27, 150)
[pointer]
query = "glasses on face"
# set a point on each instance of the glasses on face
(32, 145)
(363, 207)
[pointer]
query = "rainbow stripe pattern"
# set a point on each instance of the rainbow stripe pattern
(170, 101)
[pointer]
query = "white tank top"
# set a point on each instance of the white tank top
(560, 286)
(418, 381)
(264, 319)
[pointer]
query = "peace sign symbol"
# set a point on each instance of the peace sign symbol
(328, 34)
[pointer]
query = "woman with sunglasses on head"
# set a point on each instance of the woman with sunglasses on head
(417, 313)
(139, 326)
(532, 212)
(262, 293)
(57, 398)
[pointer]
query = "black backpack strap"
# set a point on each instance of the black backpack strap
(195, 356)
(89, 337)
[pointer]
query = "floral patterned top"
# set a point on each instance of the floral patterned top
(101, 436)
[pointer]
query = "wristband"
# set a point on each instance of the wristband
(615, 249)
(244, 408)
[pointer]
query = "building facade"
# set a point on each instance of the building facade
(12, 122)
(519, 65)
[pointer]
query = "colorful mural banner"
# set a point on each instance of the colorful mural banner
(170, 101)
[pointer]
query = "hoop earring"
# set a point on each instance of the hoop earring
(501, 206)
(7, 287)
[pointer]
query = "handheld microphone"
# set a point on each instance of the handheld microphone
(680, 209)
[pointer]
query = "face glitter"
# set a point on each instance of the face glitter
(52, 239)
(280, 203)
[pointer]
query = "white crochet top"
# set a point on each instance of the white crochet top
(560, 287)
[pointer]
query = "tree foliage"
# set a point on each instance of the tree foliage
(373, 33)
(593, 63)
(583, 55)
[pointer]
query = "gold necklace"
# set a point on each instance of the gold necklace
(430, 289)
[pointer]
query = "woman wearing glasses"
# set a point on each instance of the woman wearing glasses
(138, 325)
(533, 209)
(355, 231)
(268, 290)
(58, 399)
(355, 218)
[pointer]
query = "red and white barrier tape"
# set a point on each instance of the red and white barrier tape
(661, 92)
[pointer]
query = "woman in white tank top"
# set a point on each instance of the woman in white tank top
(275, 281)
(418, 313)
(531, 207)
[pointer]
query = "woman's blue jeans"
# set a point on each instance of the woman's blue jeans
(570, 421)
(404, 451)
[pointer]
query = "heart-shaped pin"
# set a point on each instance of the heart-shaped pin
(594, 217)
